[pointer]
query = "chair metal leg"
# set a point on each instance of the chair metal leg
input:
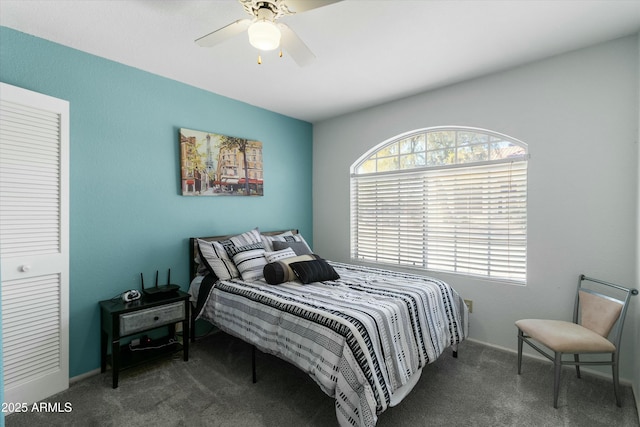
(519, 351)
(616, 380)
(576, 357)
(556, 379)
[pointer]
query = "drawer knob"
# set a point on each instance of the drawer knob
(156, 318)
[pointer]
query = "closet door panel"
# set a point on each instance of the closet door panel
(34, 243)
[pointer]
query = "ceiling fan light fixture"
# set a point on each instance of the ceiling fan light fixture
(264, 35)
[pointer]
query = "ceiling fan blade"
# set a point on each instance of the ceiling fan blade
(295, 46)
(224, 33)
(298, 6)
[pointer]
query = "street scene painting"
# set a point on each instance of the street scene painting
(219, 165)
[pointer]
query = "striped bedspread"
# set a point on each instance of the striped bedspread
(360, 337)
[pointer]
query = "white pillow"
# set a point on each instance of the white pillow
(215, 258)
(232, 244)
(268, 240)
(250, 263)
(217, 255)
(278, 255)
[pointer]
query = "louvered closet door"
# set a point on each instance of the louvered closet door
(34, 243)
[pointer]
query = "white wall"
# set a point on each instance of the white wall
(578, 113)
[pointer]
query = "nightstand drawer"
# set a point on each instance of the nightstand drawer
(145, 319)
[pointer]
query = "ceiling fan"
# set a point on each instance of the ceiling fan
(264, 32)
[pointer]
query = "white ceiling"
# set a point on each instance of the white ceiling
(368, 52)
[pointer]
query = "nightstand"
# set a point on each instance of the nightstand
(119, 320)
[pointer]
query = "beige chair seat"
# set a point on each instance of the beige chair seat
(598, 314)
(565, 337)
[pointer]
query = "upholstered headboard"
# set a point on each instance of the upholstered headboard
(193, 247)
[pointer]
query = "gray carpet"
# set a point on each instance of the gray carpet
(214, 388)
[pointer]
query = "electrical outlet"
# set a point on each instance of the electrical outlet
(469, 305)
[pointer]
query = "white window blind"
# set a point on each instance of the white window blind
(468, 219)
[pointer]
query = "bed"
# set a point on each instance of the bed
(362, 334)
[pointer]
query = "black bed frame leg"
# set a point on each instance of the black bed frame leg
(192, 327)
(253, 362)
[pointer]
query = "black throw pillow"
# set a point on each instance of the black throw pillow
(275, 273)
(314, 271)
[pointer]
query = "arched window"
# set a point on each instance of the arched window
(450, 199)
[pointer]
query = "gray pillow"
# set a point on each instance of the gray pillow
(300, 248)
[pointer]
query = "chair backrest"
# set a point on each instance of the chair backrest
(601, 306)
(598, 312)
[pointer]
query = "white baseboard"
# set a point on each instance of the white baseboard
(83, 376)
(585, 369)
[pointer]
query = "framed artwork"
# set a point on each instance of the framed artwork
(219, 165)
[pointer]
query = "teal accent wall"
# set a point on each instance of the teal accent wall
(127, 215)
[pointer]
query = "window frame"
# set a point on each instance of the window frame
(516, 250)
